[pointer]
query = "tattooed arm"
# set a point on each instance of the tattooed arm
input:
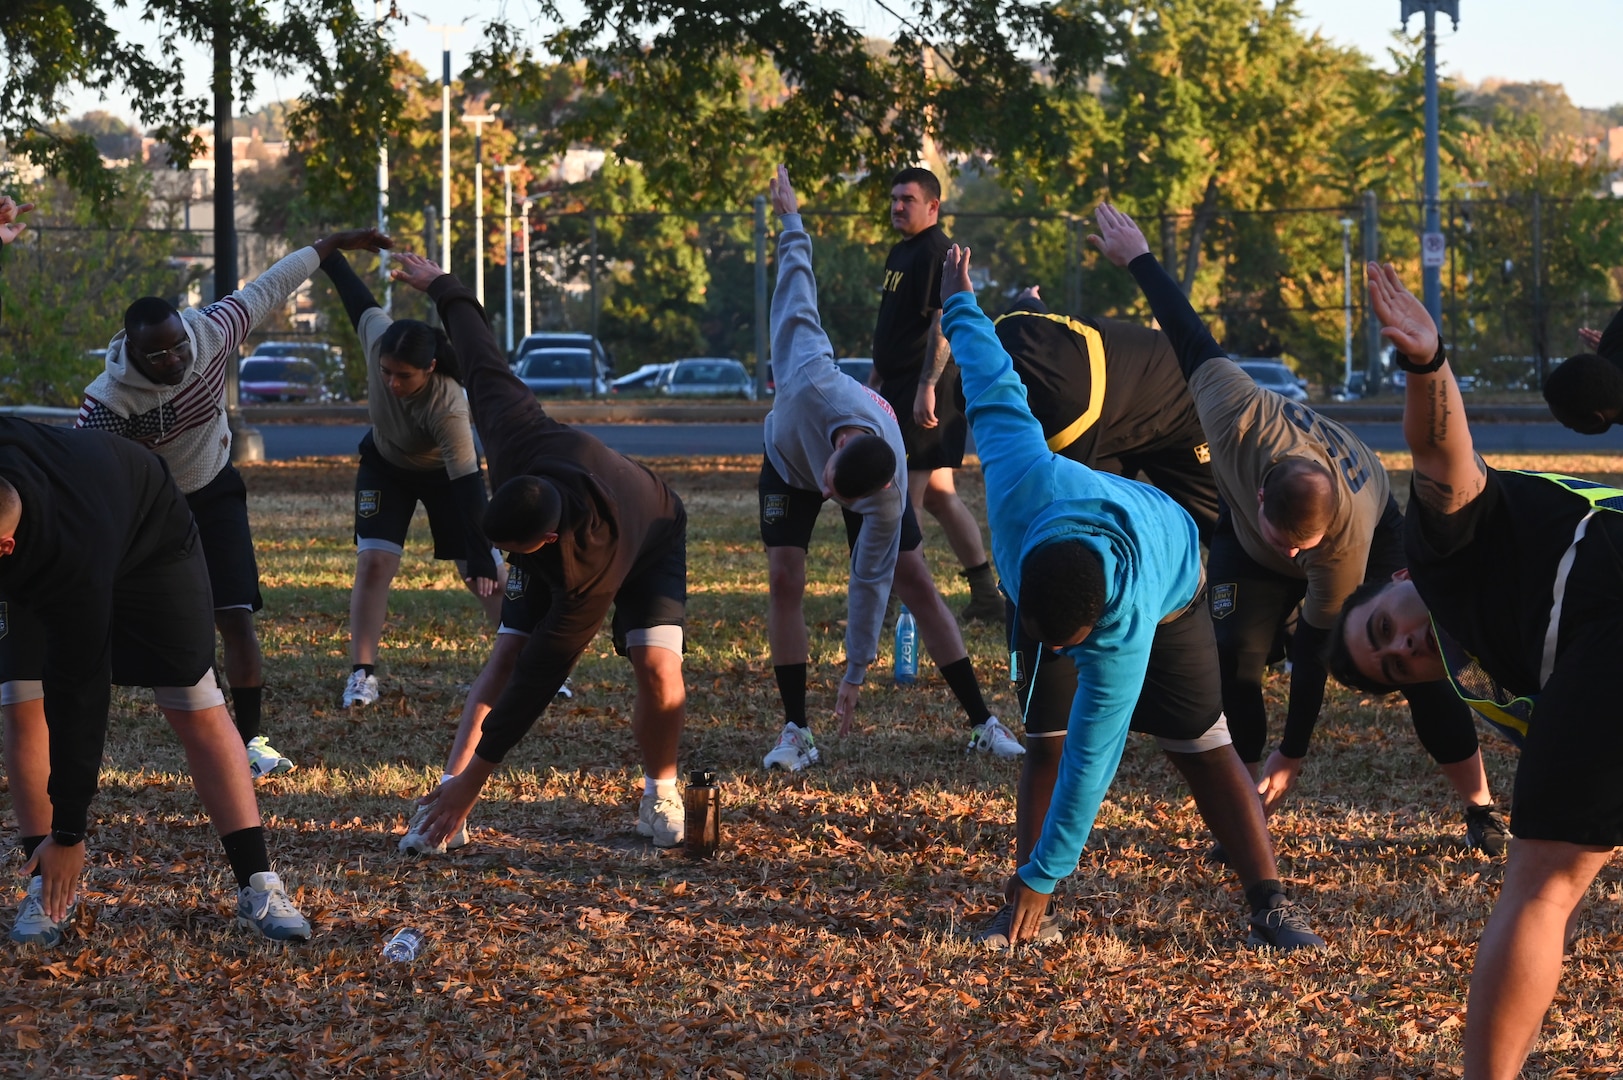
(1448, 473)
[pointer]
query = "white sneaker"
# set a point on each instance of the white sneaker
(993, 737)
(565, 692)
(264, 761)
(415, 843)
(662, 819)
(362, 689)
(796, 749)
(265, 908)
(33, 926)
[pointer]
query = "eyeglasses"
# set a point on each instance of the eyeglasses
(178, 351)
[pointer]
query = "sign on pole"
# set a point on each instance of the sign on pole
(1432, 250)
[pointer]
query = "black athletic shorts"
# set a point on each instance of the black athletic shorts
(386, 496)
(162, 627)
(1182, 695)
(220, 508)
(655, 593)
(940, 447)
(789, 514)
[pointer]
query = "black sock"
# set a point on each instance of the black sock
(792, 688)
(363, 667)
(960, 676)
(245, 848)
(1260, 895)
(29, 844)
(987, 565)
(246, 701)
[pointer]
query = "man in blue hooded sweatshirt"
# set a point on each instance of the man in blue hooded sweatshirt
(1106, 570)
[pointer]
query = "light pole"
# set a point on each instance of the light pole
(445, 33)
(1346, 296)
(524, 224)
(479, 123)
(1431, 241)
(507, 237)
(383, 185)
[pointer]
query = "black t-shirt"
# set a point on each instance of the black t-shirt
(1101, 388)
(1488, 571)
(911, 297)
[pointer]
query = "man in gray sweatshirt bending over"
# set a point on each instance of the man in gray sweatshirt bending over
(830, 437)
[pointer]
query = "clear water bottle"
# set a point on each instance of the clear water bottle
(907, 648)
(701, 805)
(405, 946)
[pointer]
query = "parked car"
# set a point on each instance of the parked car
(281, 378)
(1352, 389)
(642, 382)
(561, 373)
(329, 358)
(1274, 375)
(566, 339)
(707, 376)
(858, 367)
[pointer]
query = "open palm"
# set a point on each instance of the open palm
(1404, 319)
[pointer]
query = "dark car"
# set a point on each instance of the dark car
(281, 378)
(1274, 375)
(707, 376)
(565, 339)
(561, 373)
(328, 358)
(858, 367)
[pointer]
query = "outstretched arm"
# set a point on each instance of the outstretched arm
(1122, 242)
(1447, 471)
(357, 298)
(798, 338)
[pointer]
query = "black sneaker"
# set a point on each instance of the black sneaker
(995, 934)
(1485, 830)
(1282, 926)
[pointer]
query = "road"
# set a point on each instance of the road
(284, 442)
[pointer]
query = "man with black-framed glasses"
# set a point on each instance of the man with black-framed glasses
(164, 387)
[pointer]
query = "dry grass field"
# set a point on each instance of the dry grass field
(825, 939)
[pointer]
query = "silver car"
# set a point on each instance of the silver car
(561, 373)
(707, 376)
(1274, 375)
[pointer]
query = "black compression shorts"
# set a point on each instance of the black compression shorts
(220, 508)
(789, 514)
(386, 497)
(940, 447)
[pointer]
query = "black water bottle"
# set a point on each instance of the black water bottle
(701, 804)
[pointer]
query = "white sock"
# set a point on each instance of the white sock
(650, 786)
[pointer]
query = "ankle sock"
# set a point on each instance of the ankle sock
(246, 702)
(1260, 894)
(29, 843)
(960, 676)
(650, 786)
(792, 689)
(245, 849)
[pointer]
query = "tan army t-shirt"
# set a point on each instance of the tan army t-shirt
(1249, 430)
(430, 429)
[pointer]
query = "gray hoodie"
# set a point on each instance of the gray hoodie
(186, 423)
(814, 399)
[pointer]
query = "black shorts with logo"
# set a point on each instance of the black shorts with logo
(386, 497)
(940, 447)
(789, 514)
(220, 508)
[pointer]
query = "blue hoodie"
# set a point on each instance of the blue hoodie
(1146, 542)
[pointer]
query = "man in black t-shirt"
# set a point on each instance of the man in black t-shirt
(1513, 592)
(914, 372)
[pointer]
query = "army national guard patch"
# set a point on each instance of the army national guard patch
(367, 502)
(1221, 599)
(776, 508)
(515, 583)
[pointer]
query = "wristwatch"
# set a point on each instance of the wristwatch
(1437, 361)
(64, 838)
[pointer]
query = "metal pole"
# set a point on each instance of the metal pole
(592, 274)
(246, 442)
(762, 362)
(1539, 351)
(1374, 370)
(445, 33)
(479, 123)
(507, 240)
(524, 216)
(1346, 296)
(1431, 269)
(383, 188)
(429, 243)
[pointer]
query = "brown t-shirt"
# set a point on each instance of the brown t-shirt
(1250, 430)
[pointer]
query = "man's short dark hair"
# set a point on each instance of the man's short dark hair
(1299, 499)
(525, 508)
(11, 507)
(1062, 590)
(866, 464)
(1583, 385)
(924, 178)
(147, 311)
(1337, 657)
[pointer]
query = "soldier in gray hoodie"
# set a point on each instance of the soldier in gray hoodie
(830, 437)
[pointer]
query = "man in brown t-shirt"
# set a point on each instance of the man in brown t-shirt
(1308, 515)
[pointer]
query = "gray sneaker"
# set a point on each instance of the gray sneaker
(995, 934)
(33, 926)
(661, 820)
(415, 843)
(265, 907)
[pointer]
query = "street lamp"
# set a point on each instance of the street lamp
(507, 236)
(1346, 296)
(1431, 241)
(445, 33)
(524, 224)
(479, 123)
(383, 185)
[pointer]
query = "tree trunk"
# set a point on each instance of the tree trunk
(1204, 213)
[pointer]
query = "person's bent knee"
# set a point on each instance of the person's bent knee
(203, 695)
(786, 572)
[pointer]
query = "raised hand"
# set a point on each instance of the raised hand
(352, 240)
(416, 271)
(10, 227)
(955, 272)
(1119, 238)
(1590, 338)
(1404, 319)
(782, 193)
